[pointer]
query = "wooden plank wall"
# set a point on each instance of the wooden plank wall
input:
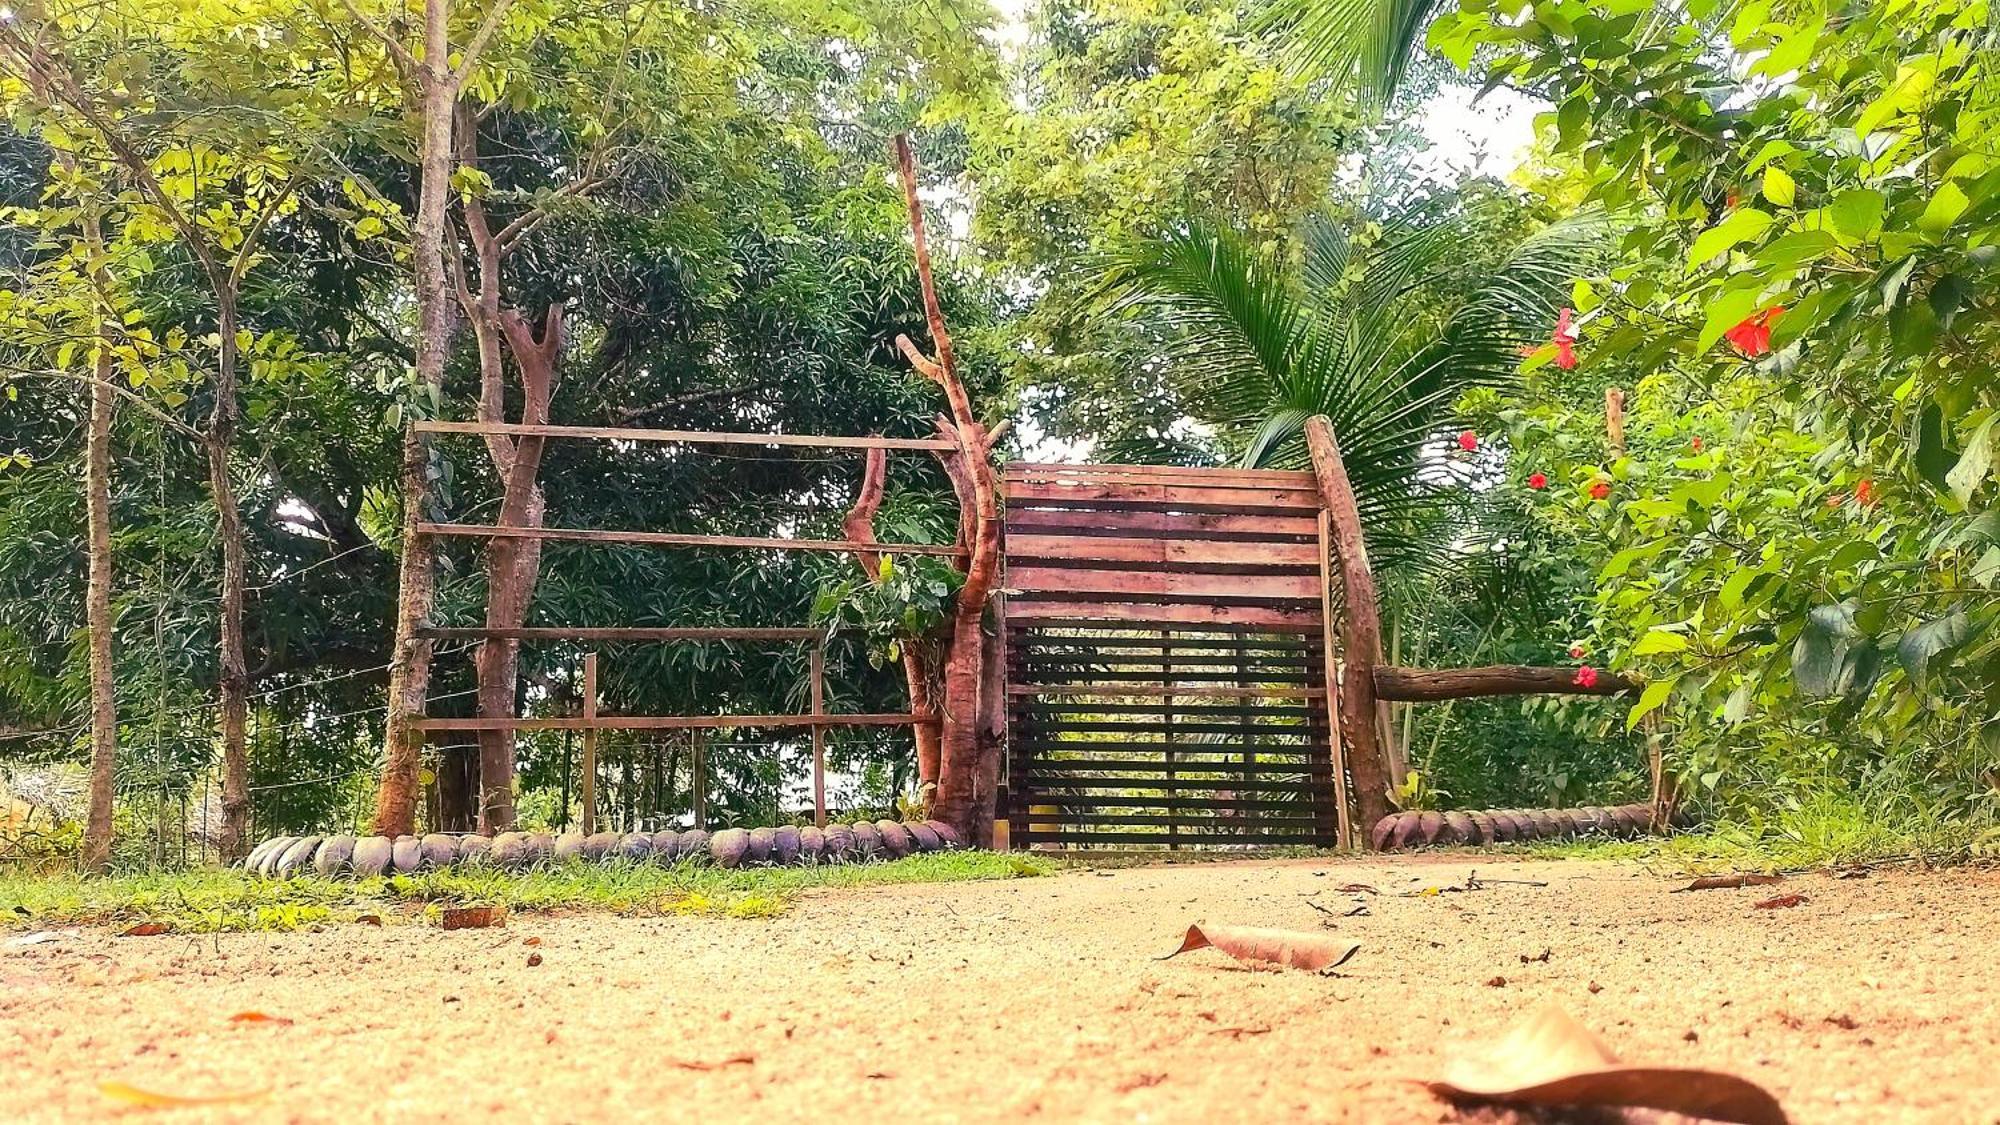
(1166, 668)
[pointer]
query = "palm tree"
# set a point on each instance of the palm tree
(1368, 43)
(1356, 336)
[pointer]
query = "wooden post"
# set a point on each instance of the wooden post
(1614, 420)
(700, 784)
(1361, 627)
(819, 733)
(589, 744)
(1344, 830)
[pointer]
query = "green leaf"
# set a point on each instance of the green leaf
(1857, 212)
(1925, 643)
(1779, 186)
(1820, 655)
(1945, 207)
(1656, 693)
(1742, 225)
(1970, 471)
(1658, 641)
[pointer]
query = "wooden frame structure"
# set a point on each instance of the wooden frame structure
(422, 728)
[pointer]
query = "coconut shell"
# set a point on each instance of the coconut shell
(439, 850)
(666, 846)
(1482, 828)
(257, 853)
(925, 836)
(840, 843)
(1405, 834)
(635, 846)
(371, 856)
(1524, 825)
(541, 846)
(406, 854)
(598, 845)
(695, 846)
(510, 850)
(1430, 827)
(568, 846)
(785, 845)
(1635, 820)
(1504, 831)
(812, 845)
(730, 847)
(867, 840)
(1458, 829)
(762, 840)
(475, 850)
(333, 856)
(1382, 833)
(896, 839)
(1546, 827)
(1592, 820)
(1568, 824)
(946, 833)
(298, 858)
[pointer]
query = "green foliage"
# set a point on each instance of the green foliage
(906, 600)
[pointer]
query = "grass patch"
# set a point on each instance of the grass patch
(216, 900)
(1830, 831)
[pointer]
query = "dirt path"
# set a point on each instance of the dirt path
(1874, 1001)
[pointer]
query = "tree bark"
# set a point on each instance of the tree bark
(103, 700)
(235, 677)
(919, 653)
(1361, 628)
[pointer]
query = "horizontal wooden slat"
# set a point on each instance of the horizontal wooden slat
(688, 437)
(1114, 820)
(618, 633)
(672, 722)
(1175, 691)
(1066, 470)
(1164, 498)
(1185, 553)
(1050, 766)
(1059, 836)
(1124, 585)
(675, 539)
(1316, 788)
(1300, 620)
(1418, 685)
(1072, 638)
(1261, 528)
(1052, 710)
(1217, 804)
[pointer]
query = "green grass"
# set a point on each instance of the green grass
(213, 900)
(1830, 831)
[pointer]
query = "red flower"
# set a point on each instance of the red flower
(1576, 652)
(1468, 441)
(1864, 493)
(1696, 444)
(1586, 676)
(1538, 481)
(1564, 340)
(1752, 336)
(1600, 490)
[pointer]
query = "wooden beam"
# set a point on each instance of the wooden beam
(622, 633)
(675, 539)
(1361, 625)
(1343, 828)
(1422, 685)
(673, 722)
(818, 671)
(1174, 691)
(687, 437)
(590, 743)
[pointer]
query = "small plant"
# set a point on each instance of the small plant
(1416, 793)
(905, 601)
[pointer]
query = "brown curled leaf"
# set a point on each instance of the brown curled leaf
(1729, 882)
(1552, 1060)
(473, 917)
(1782, 902)
(1291, 948)
(146, 929)
(259, 1017)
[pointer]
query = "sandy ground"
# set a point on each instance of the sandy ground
(1875, 1000)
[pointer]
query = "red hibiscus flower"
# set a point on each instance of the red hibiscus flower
(1864, 493)
(1752, 336)
(1695, 444)
(1565, 340)
(1576, 652)
(1468, 441)
(1538, 481)
(1586, 676)
(1600, 490)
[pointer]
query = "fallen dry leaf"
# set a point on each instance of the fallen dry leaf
(534, 959)
(146, 929)
(1357, 889)
(258, 1017)
(474, 917)
(1729, 882)
(134, 1095)
(1291, 948)
(1552, 1060)
(699, 1064)
(1781, 902)
(531, 941)
(370, 919)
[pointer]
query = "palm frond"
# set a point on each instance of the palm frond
(1235, 319)
(1369, 43)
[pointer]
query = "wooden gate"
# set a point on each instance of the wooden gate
(1167, 658)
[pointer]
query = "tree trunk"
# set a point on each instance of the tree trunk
(409, 658)
(103, 701)
(235, 685)
(919, 653)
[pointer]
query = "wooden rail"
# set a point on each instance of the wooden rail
(616, 633)
(676, 539)
(672, 722)
(1420, 685)
(686, 437)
